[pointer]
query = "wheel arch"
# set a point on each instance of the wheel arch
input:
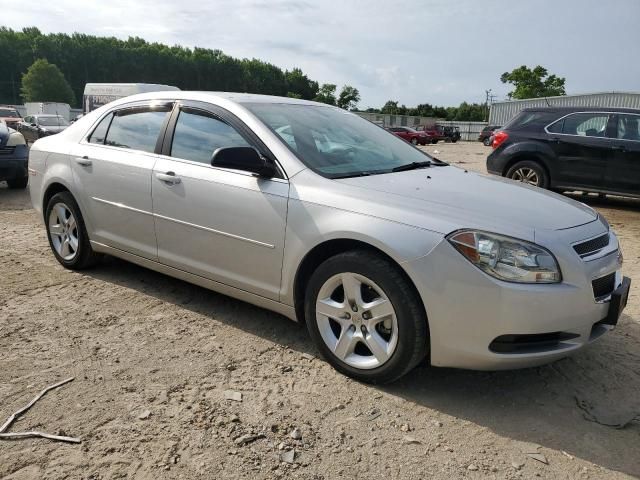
(53, 188)
(530, 157)
(327, 249)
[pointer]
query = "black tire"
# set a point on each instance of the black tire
(543, 178)
(487, 141)
(84, 256)
(413, 333)
(414, 140)
(18, 183)
(434, 142)
(454, 140)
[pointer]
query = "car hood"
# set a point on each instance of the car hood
(447, 198)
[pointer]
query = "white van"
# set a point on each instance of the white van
(99, 94)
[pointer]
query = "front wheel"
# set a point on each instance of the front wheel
(529, 172)
(67, 233)
(365, 317)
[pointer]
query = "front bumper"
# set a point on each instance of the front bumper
(468, 310)
(13, 162)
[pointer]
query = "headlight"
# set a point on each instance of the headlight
(507, 258)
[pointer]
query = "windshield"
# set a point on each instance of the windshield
(9, 112)
(336, 143)
(52, 121)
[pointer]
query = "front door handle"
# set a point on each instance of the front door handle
(169, 177)
(84, 161)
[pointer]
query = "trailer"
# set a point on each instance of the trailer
(99, 94)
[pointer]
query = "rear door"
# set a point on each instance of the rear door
(222, 224)
(582, 149)
(112, 170)
(623, 170)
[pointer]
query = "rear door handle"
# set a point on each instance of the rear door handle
(84, 161)
(169, 177)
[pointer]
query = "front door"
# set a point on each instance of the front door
(112, 170)
(222, 224)
(623, 171)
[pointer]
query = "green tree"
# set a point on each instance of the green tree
(44, 82)
(390, 108)
(533, 83)
(327, 94)
(348, 98)
(299, 84)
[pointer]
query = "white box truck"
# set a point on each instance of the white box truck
(99, 94)
(51, 108)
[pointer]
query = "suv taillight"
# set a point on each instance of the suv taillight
(499, 138)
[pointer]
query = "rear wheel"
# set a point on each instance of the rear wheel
(18, 183)
(414, 140)
(365, 317)
(529, 172)
(67, 233)
(487, 141)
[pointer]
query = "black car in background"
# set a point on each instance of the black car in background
(585, 149)
(486, 133)
(34, 127)
(451, 133)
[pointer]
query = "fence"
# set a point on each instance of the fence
(469, 131)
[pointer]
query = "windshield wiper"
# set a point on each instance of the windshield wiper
(412, 166)
(352, 175)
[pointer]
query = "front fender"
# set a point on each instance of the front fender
(311, 224)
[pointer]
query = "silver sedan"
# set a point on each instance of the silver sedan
(387, 255)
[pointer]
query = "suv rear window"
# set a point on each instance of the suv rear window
(525, 118)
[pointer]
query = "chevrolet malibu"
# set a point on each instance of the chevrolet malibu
(388, 256)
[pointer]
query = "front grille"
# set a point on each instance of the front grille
(592, 246)
(604, 286)
(7, 150)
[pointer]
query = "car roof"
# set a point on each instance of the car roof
(580, 109)
(209, 96)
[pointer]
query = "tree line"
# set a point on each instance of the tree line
(86, 58)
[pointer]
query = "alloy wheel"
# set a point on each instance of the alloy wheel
(63, 230)
(356, 321)
(527, 175)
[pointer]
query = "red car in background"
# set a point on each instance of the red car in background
(435, 134)
(411, 135)
(10, 116)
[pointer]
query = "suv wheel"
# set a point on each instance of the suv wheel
(365, 317)
(67, 234)
(529, 172)
(487, 141)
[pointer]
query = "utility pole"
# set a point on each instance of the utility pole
(488, 101)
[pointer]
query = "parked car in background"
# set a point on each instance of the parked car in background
(434, 134)
(451, 133)
(10, 116)
(13, 157)
(487, 133)
(34, 127)
(389, 256)
(579, 148)
(411, 135)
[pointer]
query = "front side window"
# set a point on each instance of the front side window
(586, 124)
(198, 135)
(629, 127)
(336, 143)
(136, 128)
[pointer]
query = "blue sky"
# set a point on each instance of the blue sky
(431, 51)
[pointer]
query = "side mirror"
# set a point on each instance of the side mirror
(247, 159)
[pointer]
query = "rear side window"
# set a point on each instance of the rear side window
(198, 135)
(137, 129)
(100, 133)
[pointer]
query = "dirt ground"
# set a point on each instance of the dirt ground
(153, 356)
